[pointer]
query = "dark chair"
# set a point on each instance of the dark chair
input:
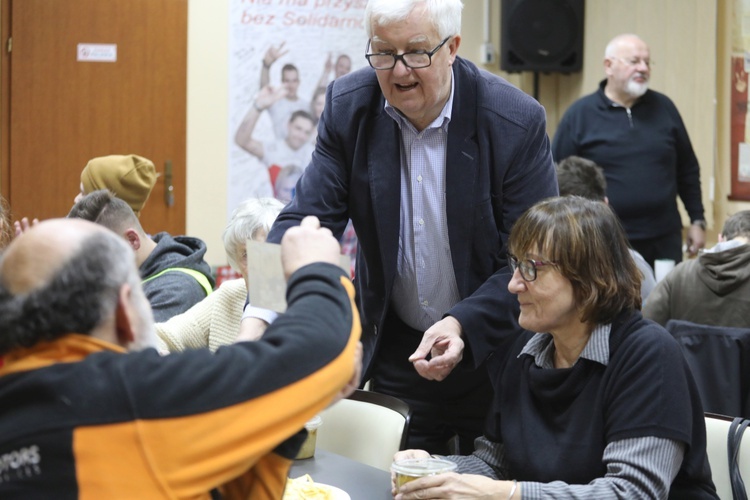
(719, 358)
(367, 426)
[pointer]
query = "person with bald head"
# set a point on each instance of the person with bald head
(175, 275)
(89, 410)
(637, 136)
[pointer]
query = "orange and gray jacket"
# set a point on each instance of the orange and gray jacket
(80, 418)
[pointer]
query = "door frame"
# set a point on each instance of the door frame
(5, 34)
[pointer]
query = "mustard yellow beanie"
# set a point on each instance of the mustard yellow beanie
(130, 177)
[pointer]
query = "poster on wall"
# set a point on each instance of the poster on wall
(740, 152)
(282, 55)
(740, 131)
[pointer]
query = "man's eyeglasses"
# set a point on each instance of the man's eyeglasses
(528, 267)
(635, 61)
(415, 59)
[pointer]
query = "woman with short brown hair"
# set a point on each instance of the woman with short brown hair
(591, 400)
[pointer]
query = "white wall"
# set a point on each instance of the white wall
(207, 129)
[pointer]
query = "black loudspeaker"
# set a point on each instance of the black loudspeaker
(541, 35)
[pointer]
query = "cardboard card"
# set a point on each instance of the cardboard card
(266, 275)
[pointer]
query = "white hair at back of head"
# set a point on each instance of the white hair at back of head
(247, 219)
(445, 15)
(611, 50)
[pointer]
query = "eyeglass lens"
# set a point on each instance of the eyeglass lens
(412, 60)
(637, 61)
(527, 268)
(415, 60)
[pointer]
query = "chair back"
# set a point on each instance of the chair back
(368, 427)
(719, 359)
(718, 437)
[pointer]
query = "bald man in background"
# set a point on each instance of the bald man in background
(637, 136)
(83, 418)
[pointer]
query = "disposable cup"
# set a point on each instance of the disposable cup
(414, 468)
(662, 267)
(308, 447)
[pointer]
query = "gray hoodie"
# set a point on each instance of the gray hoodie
(713, 289)
(173, 292)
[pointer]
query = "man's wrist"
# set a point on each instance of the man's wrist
(257, 108)
(266, 65)
(700, 223)
(259, 313)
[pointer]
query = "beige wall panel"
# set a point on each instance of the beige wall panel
(207, 123)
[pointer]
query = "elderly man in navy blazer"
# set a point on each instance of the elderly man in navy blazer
(433, 160)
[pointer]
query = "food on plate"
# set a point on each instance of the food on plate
(304, 488)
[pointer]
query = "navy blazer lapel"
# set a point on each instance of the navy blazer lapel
(384, 167)
(461, 174)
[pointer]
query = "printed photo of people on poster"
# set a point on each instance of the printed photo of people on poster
(283, 55)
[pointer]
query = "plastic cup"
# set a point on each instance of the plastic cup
(414, 468)
(662, 267)
(308, 447)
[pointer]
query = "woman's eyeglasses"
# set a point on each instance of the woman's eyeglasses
(528, 267)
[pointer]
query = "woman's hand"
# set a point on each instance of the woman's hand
(406, 454)
(453, 485)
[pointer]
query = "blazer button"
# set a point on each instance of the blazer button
(375, 330)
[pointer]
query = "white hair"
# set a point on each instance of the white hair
(445, 15)
(248, 218)
(611, 50)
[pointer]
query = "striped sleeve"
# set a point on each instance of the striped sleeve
(636, 468)
(485, 460)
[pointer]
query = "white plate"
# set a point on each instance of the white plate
(337, 493)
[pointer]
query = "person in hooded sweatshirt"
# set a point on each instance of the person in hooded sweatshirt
(174, 275)
(713, 289)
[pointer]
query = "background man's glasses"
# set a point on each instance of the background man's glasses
(414, 60)
(635, 61)
(528, 267)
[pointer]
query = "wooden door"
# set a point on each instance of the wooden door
(60, 110)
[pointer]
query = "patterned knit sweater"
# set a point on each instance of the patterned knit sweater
(212, 322)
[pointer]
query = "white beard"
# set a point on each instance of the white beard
(636, 89)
